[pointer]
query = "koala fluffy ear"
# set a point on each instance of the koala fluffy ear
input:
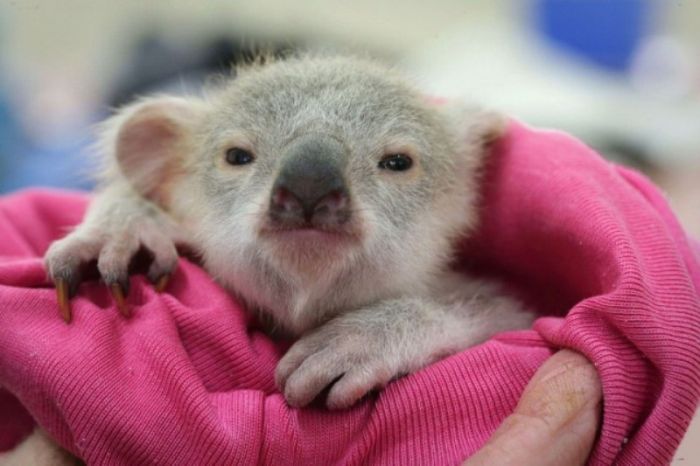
(485, 127)
(475, 127)
(150, 141)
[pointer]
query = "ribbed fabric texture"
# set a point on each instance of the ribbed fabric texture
(189, 379)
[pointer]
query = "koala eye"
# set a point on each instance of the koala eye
(396, 162)
(238, 156)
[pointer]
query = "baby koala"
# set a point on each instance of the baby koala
(326, 193)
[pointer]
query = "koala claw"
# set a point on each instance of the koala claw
(63, 298)
(113, 253)
(120, 299)
(162, 283)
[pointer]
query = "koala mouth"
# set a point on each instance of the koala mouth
(320, 223)
(309, 235)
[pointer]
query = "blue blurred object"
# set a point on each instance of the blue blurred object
(61, 166)
(606, 32)
(23, 160)
(24, 163)
(13, 141)
(154, 64)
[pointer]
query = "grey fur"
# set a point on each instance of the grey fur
(373, 303)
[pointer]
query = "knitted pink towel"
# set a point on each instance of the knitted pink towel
(189, 379)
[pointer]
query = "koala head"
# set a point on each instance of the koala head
(310, 185)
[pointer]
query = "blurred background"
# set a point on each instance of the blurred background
(623, 75)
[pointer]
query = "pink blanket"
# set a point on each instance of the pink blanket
(189, 379)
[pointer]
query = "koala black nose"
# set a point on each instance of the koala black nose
(310, 186)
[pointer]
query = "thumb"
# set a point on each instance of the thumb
(555, 421)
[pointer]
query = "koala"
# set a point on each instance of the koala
(326, 193)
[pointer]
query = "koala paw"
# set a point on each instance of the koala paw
(113, 247)
(352, 357)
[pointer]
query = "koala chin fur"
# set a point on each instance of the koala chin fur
(326, 193)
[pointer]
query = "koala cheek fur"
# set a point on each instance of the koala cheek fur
(326, 193)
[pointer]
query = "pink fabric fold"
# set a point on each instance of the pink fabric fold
(189, 379)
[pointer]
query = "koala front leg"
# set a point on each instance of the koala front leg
(145, 144)
(118, 223)
(364, 349)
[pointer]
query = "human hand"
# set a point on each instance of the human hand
(555, 421)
